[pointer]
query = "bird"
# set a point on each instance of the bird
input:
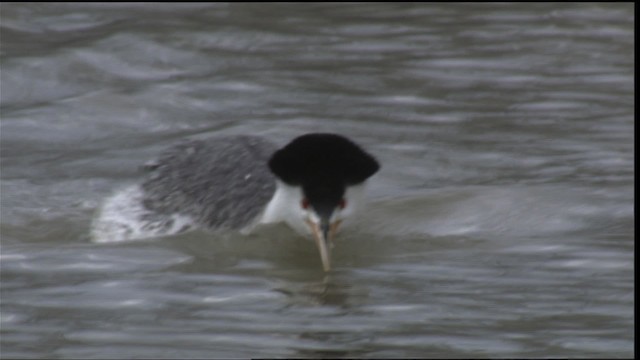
(312, 184)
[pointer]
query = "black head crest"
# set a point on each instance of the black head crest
(325, 160)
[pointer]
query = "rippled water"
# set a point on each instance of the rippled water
(500, 225)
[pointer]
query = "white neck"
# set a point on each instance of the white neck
(285, 206)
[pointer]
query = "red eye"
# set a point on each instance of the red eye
(342, 204)
(304, 203)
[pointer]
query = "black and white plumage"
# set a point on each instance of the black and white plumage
(312, 184)
(222, 183)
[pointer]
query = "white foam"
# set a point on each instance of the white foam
(123, 217)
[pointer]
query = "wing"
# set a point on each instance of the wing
(221, 182)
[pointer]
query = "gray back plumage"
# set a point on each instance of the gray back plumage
(221, 182)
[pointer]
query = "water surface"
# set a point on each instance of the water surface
(500, 225)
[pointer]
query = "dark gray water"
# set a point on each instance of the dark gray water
(501, 224)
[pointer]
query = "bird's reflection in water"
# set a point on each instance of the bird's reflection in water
(339, 298)
(330, 291)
